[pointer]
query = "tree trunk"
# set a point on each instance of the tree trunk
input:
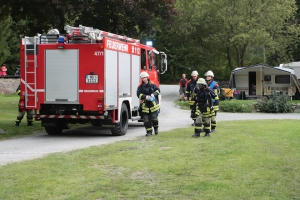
(229, 58)
(243, 55)
(238, 56)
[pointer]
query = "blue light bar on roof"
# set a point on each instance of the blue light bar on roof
(61, 39)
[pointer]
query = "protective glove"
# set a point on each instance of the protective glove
(151, 98)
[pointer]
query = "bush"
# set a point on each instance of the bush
(275, 103)
(237, 106)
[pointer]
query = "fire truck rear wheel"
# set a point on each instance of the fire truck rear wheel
(121, 128)
(53, 130)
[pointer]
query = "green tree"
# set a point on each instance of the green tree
(127, 17)
(223, 35)
(9, 43)
(5, 32)
(296, 49)
(117, 16)
(186, 42)
(268, 24)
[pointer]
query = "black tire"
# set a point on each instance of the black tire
(53, 130)
(121, 128)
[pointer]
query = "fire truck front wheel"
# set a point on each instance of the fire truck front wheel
(121, 128)
(53, 130)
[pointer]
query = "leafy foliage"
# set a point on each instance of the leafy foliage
(222, 35)
(133, 18)
(237, 106)
(275, 104)
(196, 35)
(118, 16)
(5, 32)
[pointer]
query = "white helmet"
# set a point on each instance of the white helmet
(209, 73)
(194, 73)
(144, 74)
(201, 81)
(53, 31)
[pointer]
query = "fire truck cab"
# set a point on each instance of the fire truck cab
(85, 76)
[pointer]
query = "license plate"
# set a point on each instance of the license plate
(91, 78)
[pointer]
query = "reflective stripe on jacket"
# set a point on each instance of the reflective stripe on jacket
(146, 90)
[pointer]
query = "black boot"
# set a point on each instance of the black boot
(207, 135)
(156, 131)
(213, 130)
(17, 124)
(66, 126)
(29, 124)
(196, 135)
(148, 134)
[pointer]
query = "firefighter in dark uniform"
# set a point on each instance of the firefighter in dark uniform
(203, 98)
(212, 84)
(189, 94)
(22, 113)
(148, 93)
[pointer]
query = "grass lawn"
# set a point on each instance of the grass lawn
(8, 115)
(242, 160)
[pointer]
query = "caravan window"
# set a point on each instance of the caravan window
(282, 79)
(267, 78)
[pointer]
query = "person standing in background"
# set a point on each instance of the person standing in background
(182, 84)
(3, 70)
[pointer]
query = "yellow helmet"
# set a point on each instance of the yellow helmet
(201, 81)
(144, 74)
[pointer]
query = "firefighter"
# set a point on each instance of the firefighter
(203, 98)
(148, 93)
(212, 84)
(192, 83)
(22, 113)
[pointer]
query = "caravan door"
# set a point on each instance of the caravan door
(252, 83)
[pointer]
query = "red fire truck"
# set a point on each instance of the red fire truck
(85, 76)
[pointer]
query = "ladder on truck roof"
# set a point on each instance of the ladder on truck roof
(30, 47)
(97, 34)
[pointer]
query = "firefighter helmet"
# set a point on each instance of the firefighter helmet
(209, 73)
(194, 73)
(201, 81)
(144, 74)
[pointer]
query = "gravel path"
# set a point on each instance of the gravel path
(39, 145)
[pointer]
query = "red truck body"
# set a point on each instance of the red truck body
(87, 77)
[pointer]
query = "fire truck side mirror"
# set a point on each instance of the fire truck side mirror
(163, 62)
